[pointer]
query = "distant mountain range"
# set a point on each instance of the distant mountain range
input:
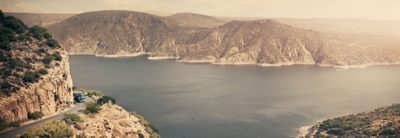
(199, 38)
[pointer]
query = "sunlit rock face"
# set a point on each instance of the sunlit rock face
(263, 42)
(35, 75)
(52, 93)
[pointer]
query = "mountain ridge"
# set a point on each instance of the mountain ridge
(265, 42)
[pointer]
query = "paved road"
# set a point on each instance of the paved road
(21, 130)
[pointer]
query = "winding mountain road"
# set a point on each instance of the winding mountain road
(21, 130)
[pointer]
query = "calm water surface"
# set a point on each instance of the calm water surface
(214, 101)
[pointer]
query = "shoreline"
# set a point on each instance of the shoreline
(177, 59)
(163, 58)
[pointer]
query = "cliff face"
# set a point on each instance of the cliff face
(35, 74)
(264, 42)
(50, 94)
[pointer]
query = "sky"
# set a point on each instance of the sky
(368, 9)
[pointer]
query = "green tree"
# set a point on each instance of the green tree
(15, 24)
(105, 99)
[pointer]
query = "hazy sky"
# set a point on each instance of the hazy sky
(373, 9)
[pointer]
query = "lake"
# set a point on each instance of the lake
(225, 101)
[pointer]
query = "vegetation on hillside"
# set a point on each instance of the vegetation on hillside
(35, 115)
(72, 118)
(382, 122)
(95, 107)
(4, 124)
(25, 54)
(53, 129)
(105, 99)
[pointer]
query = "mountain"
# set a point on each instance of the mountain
(390, 28)
(40, 19)
(194, 20)
(35, 76)
(263, 42)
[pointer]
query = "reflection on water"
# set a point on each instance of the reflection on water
(202, 100)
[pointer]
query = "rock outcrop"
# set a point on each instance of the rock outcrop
(35, 75)
(110, 122)
(263, 42)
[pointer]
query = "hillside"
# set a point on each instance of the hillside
(194, 20)
(381, 122)
(35, 74)
(263, 42)
(390, 28)
(40, 19)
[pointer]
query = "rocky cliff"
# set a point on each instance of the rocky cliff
(35, 74)
(263, 42)
(113, 121)
(381, 122)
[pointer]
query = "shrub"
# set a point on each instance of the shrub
(13, 63)
(52, 43)
(42, 72)
(3, 124)
(15, 24)
(57, 56)
(91, 93)
(30, 77)
(41, 51)
(388, 132)
(105, 99)
(6, 35)
(73, 117)
(48, 59)
(19, 69)
(5, 46)
(35, 115)
(37, 32)
(92, 107)
(47, 35)
(56, 129)
(3, 57)
(5, 85)
(6, 72)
